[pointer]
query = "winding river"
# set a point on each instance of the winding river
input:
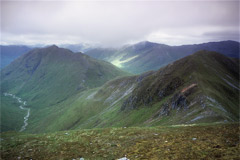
(22, 104)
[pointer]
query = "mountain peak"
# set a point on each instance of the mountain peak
(52, 46)
(54, 50)
(57, 73)
(145, 43)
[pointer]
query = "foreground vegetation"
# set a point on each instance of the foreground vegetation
(218, 141)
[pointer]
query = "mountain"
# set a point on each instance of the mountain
(145, 56)
(200, 88)
(11, 52)
(83, 47)
(45, 77)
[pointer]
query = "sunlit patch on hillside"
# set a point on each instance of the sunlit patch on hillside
(119, 63)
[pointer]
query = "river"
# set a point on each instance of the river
(22, 104)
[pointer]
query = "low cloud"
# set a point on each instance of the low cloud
(118, 23)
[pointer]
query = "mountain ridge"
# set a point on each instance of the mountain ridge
(145, 56)
(187, 91)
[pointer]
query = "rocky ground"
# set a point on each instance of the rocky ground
(216, 141)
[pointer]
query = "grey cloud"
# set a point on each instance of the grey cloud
(223, 35)
(116, 23)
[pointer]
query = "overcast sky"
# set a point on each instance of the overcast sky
(117, 23)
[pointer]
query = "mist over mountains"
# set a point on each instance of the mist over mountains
(145, 56)
(136, 58)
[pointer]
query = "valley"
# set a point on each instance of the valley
(186, 91)
(22, 104)
(120, 80)
(86, 108)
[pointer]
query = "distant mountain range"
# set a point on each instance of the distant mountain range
(11, 52)
(145, 56)
(66, 90)
(136, 58)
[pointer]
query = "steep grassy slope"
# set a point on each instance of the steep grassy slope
(168, 142)
(199, 88)
(46, 77)
(55, 73)
(145, 56)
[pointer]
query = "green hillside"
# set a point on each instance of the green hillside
(187, 91)
(190, 90)
(173, 113)
(46, 77)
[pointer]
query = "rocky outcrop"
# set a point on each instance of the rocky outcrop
(164, 110)
(179, 101)
(130, 103)
(151, 93)
(170, 88)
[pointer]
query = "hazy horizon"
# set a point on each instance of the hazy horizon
(100, 46)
